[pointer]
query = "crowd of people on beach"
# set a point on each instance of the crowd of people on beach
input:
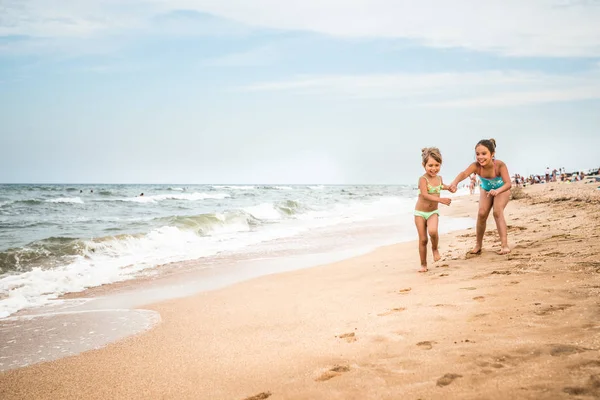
(554, 175)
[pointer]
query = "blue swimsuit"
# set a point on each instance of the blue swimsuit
(493, 183)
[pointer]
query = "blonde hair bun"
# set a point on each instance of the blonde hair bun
(432, 152)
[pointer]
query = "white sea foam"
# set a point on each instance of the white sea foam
(76, 200)
(234, 187)
(265, 211)
(174, 196)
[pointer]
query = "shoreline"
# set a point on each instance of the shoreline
(97, 316)
(371, 327)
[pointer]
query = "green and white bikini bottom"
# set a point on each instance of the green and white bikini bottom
(426, 214)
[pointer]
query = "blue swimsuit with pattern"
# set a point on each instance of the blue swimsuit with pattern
(493, 183)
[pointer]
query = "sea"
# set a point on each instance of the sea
(65, 238)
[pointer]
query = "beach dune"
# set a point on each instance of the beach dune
(524, 325)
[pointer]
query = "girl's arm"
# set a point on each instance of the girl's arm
(471, 169)
(444, 186)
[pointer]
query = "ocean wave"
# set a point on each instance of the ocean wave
(29, 202)
(44, 188)
(213, 223)
(43, 253)
(291, 207)
(24, 224)
(105, 260)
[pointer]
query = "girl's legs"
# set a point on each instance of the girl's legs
(432, 229)
(485, 205)
(422, 230)
(500, 202)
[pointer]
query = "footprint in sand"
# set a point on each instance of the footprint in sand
(392, 311)
(349, 337)
(404, 291)
(426, 345)
(587, 364)
(470, 255)
(566, 349)
(479, 298)
(447, 379)
(260, 396)
(336, 370)
(552, 309)
(513, 228)
(485, 364)
(592, 387)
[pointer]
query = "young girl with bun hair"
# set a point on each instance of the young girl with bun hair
(494, 194)
(426, 211)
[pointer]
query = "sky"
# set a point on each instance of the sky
(296, 92)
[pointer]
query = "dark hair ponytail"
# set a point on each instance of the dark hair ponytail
(490, 144)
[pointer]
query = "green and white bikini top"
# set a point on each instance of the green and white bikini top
(434, 189)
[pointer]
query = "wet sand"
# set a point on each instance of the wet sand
(524, 325)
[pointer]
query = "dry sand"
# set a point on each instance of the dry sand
(524, 326)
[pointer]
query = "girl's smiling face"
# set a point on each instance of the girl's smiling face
(432, 167)
(483, 155)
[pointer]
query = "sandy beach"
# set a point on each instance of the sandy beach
(524, 325)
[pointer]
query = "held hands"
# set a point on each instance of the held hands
(452, 188)
(445, 200)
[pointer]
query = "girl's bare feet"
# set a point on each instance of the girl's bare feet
(423, 268)
(436, 255)
(475, 251)
(504, 250)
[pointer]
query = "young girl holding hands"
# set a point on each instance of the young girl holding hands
(426, 211)
(495, 191)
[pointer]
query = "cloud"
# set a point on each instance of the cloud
(473, 89)
(556, 28)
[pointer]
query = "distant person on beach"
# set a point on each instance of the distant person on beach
(426, 210)
(495, 191)
(472, 183)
